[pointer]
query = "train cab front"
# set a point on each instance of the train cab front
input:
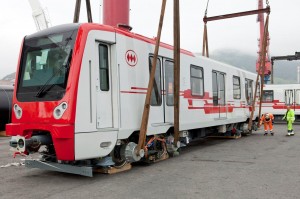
(43, 112)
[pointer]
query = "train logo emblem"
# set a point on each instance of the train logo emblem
(131, 58)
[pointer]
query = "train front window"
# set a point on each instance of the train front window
(44, 66)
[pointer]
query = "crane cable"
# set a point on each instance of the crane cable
(205, 38)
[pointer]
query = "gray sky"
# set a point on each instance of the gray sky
(239, 33)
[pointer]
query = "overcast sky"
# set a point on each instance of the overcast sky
(239, 33)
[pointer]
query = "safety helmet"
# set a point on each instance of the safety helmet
(267, 116)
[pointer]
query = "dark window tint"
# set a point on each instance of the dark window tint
(103, 67)
(249, 91)
(268, 96)
(197, 81)
(236, 88)
(169, 75)
(215, 88)
(44, 66)
(156, 91)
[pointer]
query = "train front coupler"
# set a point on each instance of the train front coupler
(24, 145)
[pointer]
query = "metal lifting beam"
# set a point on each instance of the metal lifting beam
(238, 14)
(287, 57)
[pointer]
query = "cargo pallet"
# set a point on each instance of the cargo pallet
(2, 134)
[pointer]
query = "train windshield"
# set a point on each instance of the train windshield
(44, 66)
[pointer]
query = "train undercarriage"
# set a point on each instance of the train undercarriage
(157, 148)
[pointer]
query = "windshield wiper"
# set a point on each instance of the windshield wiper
(66, 65)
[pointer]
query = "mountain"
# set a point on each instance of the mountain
(8, 79)
(285, 72)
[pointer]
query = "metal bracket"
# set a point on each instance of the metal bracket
(65, 168)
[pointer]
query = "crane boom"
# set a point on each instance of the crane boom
(39, 15)
(261, 20)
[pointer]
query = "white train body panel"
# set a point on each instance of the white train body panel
(105, 115)
(277, 97)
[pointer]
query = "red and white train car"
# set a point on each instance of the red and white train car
(80, 91)
(276, 98)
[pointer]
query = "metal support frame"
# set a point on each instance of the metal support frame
(287, 57)
(238, 14)
(226, 16)
(64, 168)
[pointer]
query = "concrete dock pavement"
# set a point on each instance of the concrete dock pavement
(254, 166)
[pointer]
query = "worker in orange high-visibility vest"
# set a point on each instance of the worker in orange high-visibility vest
(268, 120)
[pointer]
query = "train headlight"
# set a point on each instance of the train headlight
(59, 110)
(18, 111)
(17, 144)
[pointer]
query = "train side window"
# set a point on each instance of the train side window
(236, 87)
(268, 96)
(103, 67)
(197, 81)
(249, 91)
(156, 90)
(222, 88)
(215, 88)
(169, 75)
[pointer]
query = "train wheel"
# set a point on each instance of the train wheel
(117, 158)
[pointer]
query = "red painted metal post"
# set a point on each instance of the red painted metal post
(116, 13)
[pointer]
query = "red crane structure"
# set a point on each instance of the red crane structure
(267, 71)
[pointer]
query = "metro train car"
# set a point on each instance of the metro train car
(6, 93)
(276, 98)
(80, 93)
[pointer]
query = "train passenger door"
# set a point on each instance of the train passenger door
(289, 97)
(292, 98)
(219, 100)
(103, 86)
(297, 97)
(249, 91)
(156, 111)
(169, 91)
(162, 98)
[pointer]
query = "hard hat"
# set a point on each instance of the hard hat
(267, 116)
